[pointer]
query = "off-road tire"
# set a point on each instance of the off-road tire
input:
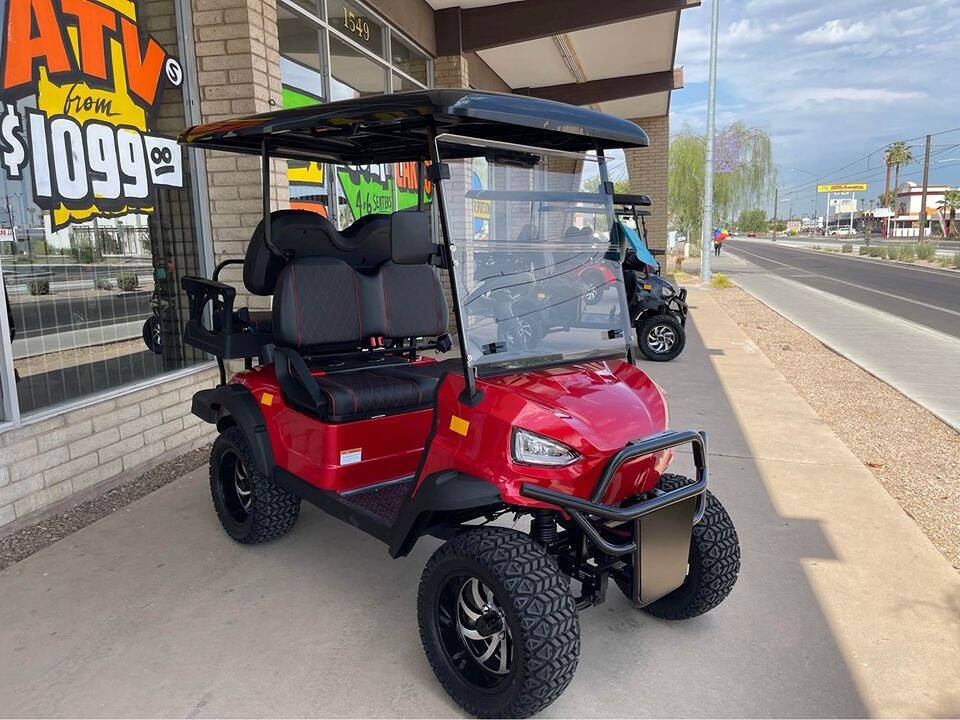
(273, 511)
(644, 328)
(539, 610)
(714, 562)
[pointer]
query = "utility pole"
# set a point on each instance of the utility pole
(886, 200)
(923, 196)
(776, 198)
(707, 233)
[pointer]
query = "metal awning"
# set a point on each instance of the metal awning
(616, 56)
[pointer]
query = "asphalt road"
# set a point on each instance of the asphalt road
(77, 313)
(950, 246)
(923, 295)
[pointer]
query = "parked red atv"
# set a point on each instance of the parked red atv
(338, 404)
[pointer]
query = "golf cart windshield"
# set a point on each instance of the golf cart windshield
(538, 279)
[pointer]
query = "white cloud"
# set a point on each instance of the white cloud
(851, 94)
(834, 32)
(831, 82)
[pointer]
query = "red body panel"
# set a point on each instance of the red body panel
(390, 447)
(595, 408)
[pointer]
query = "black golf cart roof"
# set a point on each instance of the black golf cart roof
(632, 200)
(395, 127)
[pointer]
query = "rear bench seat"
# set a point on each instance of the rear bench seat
(321, 302)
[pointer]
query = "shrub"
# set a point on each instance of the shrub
(816, 247)
(102, 284)
(864, 250)
(955, 260)
(83, 253)
(847, 248)
(39, 287)
(926, 251)
(904, 253)
(128, 282)
(793, 233)
(876, 252)
(719, 280)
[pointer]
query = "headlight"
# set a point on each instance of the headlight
(667, 291)
(534, 449)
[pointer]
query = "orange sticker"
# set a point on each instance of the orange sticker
(266, 399)
(459, 425)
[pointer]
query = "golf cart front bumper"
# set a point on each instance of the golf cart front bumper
(647, 542)
(678, 303)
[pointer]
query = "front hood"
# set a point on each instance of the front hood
(606, 403)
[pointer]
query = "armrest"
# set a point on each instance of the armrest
(200, 291)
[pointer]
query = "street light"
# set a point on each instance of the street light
(706, 236)
(815, 196)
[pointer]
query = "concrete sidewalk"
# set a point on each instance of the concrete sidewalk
(921, 363)
(843, 607)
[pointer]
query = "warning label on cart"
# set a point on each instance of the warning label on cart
(349, 457)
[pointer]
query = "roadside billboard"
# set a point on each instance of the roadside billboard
(842, 187)
(844, 205)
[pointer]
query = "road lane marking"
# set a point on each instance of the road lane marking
(847, 282)
(870, 261)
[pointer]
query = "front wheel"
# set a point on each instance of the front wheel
(713, 564)
(661, 338)
(498, 623)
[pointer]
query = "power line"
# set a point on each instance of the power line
(832, 173)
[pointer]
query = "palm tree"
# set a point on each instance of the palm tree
(897, 154)
(950, 202)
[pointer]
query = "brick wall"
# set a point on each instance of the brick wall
(238, 69)
(68, 455)
(648, 168)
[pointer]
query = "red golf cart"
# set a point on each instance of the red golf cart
(355, 398)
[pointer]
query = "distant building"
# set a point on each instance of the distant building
(907, 210)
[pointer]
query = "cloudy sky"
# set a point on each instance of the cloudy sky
(831, 82)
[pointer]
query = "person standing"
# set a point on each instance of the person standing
(718, 237)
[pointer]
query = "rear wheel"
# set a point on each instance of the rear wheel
(661, 338)
(498, 623)
(252, 508)
(153, 334)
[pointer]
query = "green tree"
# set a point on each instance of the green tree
(950, 203)
(896, 155)
(751, 221)
(747, 185)
(592, 184)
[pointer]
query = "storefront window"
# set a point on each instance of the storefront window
(301, 66)
(353, 74)
(97, 218)
(407, 60)
(357, 24)
(402, 84)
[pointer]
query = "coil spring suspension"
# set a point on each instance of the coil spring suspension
(543, 527)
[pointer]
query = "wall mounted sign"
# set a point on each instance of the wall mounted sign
(98, 80)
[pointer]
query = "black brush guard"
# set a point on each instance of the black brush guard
(658, 527)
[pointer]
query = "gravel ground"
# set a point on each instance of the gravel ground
(23, 543)
(913, 454)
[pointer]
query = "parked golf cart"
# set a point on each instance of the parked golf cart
(658, 309)
(355, 415)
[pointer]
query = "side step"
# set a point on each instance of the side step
(372, 509)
